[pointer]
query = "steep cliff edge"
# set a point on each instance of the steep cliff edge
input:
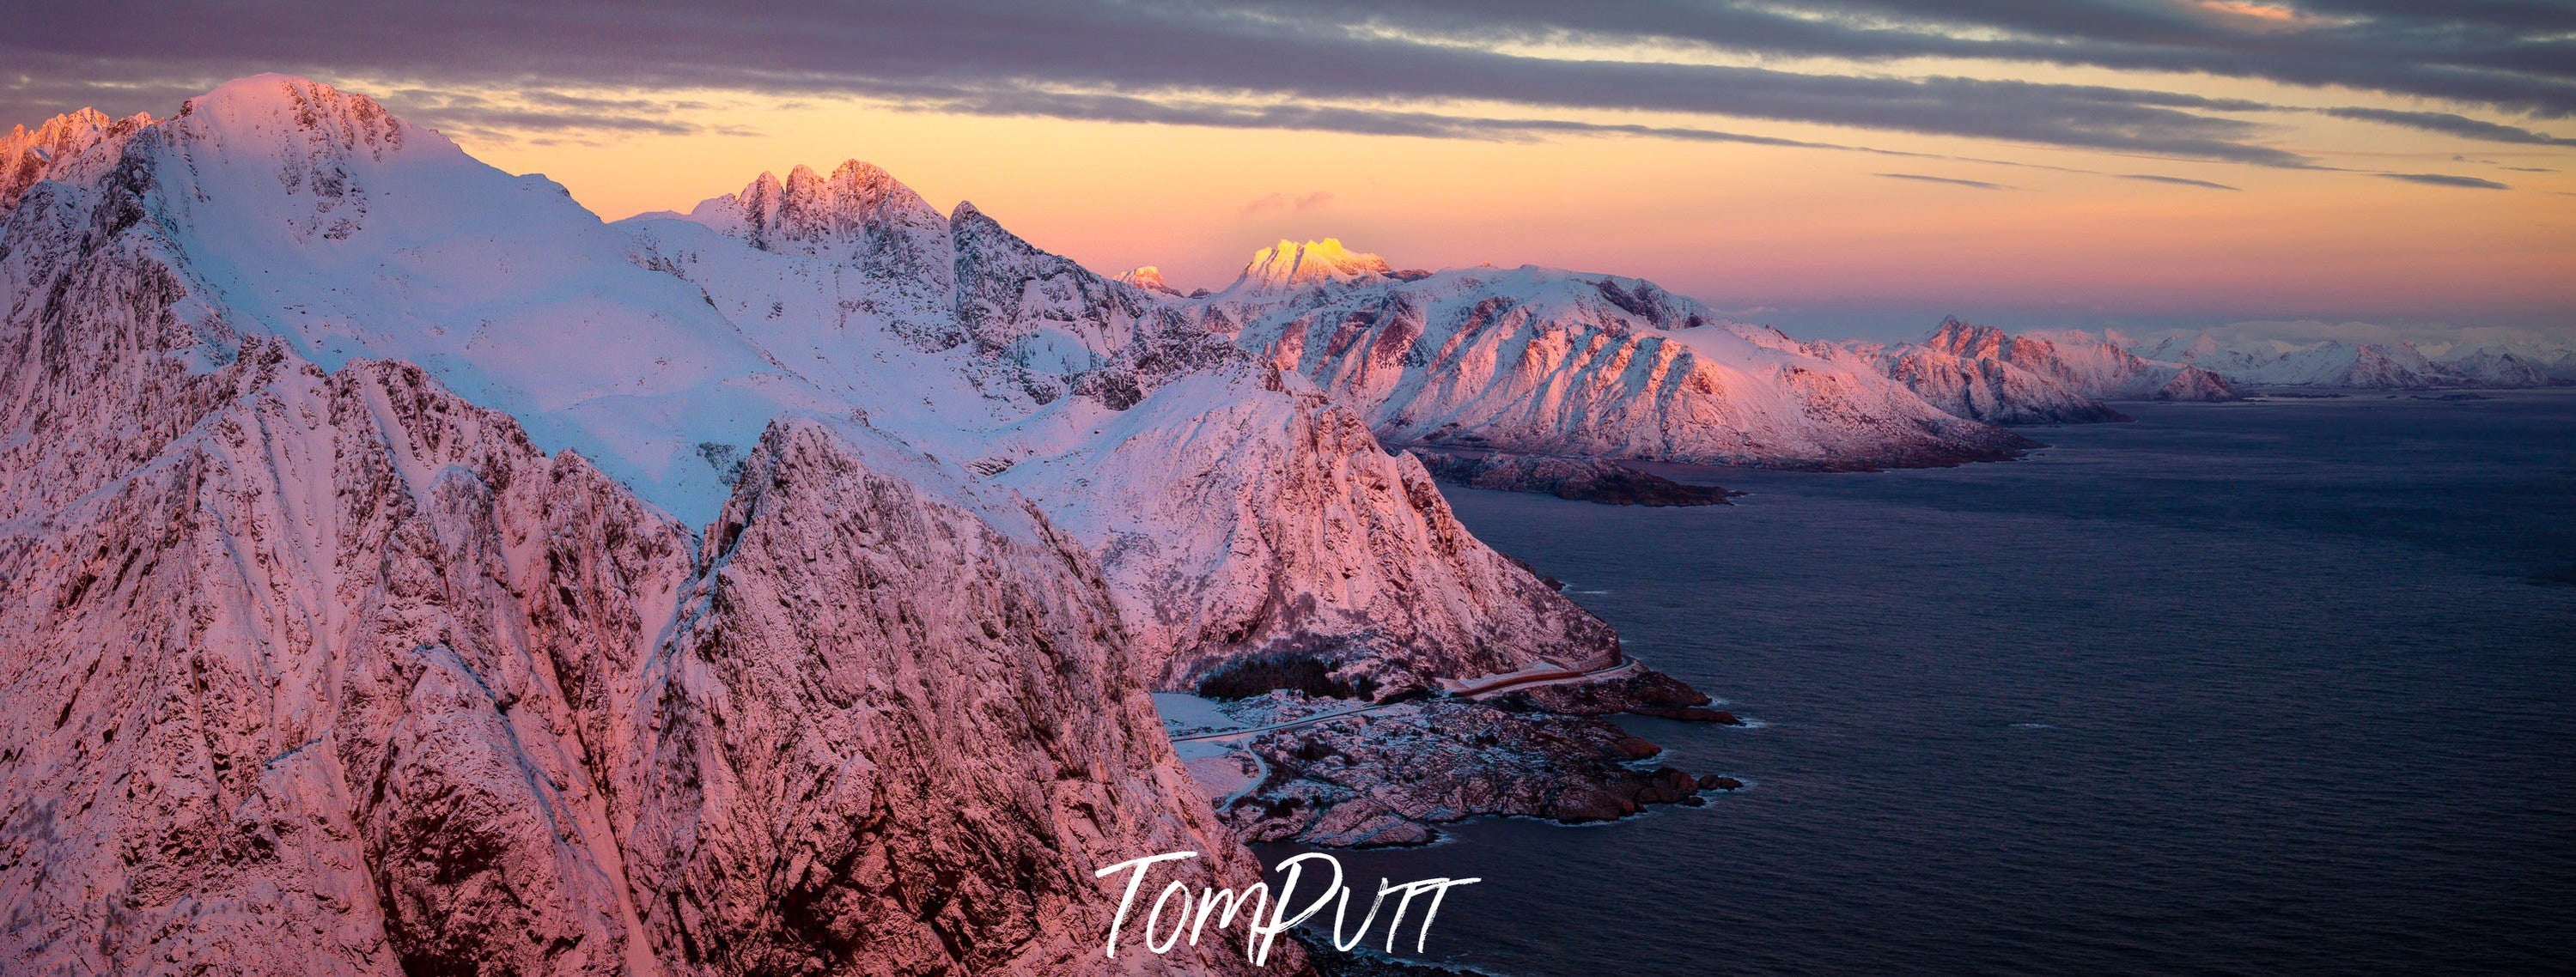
(335, 670)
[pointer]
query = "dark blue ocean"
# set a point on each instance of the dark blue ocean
(2283, 687)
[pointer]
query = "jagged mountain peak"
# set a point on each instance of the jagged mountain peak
(54, 136)
(29, 156)
(1149, 278)
(829, 216)
(1955, 334)
(1289, 265)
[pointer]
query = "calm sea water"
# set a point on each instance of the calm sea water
(2283, 687)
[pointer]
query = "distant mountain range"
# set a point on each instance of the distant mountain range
(2074, 377)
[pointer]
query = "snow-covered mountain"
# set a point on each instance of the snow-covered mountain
(309, 664)
(1289, 266)
(27, 157)
(2035, 378)
(1149, 278)
(1553, 362)
(1983, 373)
(1238, 511)
(2505, 366)
(2041, 376)
(2379, 366)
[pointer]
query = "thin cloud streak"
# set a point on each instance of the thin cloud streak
(2447, 180)
(2176, 180)
(1978, 184)
(2450, 124)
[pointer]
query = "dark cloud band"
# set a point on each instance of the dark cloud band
(1325, 64)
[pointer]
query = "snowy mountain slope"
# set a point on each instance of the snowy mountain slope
(2509, 367)
(1545, 361)
(310, 214)
(660, 348)
(2036, 377)
(1220, 500)
(2194, 383)
(339, 672)
(1983, 373)
(2059, 377)
(861, 219)
(1239, 511)
(2325, 363)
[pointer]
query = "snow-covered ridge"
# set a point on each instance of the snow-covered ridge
(1545, 361)
(2396, 365)
(2048, 375)
(2060, 377)
(660, 348)
(27, 157)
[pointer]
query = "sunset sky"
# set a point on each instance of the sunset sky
(1857, 167)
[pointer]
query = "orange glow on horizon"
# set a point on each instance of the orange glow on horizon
(1773, 232)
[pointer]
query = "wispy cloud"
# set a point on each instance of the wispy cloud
(2451, 124)
(2447, 180)
(1979, 184)
(2176, 180)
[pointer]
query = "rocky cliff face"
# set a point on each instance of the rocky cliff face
(1240, 513)
(902, 727)
(337, 671)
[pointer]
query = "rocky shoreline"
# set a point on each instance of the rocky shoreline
(1388, 775)
(1582, 479)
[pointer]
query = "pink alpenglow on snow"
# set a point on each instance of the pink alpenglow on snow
(416, 573)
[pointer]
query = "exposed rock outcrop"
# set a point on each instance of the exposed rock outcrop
(1392, 777)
